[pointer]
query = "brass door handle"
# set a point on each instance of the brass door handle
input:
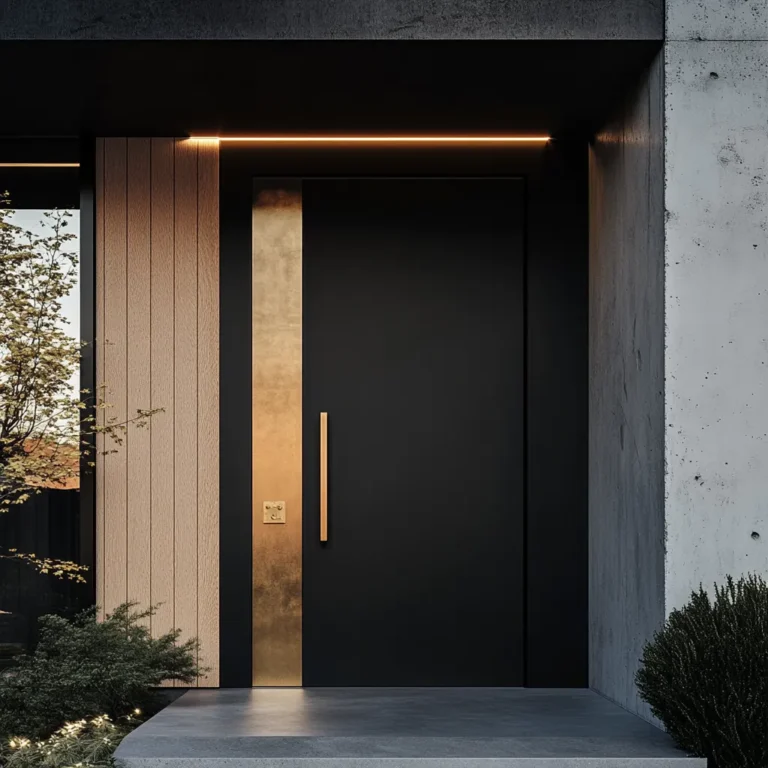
(323, 476)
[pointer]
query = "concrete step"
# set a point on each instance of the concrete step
(398, 728)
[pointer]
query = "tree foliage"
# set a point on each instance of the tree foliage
(46, 428)
(705, 674)
(39, 417)
(82, 666)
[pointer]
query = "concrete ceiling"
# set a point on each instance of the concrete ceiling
(565, 88)
(332, 19)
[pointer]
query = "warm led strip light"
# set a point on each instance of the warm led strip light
(39, 165)
(379, 139)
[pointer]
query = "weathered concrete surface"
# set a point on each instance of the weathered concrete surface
(717, 20)
(647, 553)
(716, 187)
(626, 435)
(330, 19)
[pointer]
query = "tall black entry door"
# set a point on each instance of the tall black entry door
(413, 343)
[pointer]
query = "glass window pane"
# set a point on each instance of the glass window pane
(46, 525)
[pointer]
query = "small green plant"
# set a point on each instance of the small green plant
(81, 666)
(705, 675)
(86, 743)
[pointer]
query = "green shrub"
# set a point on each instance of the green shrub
(87, 743)
(81, 667)
(705, 675)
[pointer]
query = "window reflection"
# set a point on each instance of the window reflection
(45, 525)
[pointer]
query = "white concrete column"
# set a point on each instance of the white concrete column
(716, 292)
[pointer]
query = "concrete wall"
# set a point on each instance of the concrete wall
(626, 331)
(703, 20)
(659, 529)
(331, 19)
(716, 187)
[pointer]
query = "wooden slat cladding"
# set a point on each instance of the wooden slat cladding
(208, 402)
(161, 383)
(157, 309)
(138, 365)
(99, 470)
(185, 388)
(114, 353)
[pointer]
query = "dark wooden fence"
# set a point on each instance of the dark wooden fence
(47, 525)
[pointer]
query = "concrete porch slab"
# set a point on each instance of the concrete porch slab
(398, 728)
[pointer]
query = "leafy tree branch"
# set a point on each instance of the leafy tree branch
(47, 429)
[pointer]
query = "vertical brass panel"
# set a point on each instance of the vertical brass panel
(323, 476)
(276, 414)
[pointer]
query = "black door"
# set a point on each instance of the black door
(413, 331)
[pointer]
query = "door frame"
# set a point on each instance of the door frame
(556, 380)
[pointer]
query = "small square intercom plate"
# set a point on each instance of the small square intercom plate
(274, 511)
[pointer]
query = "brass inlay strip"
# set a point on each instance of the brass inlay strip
(277, 436)
(323, 477)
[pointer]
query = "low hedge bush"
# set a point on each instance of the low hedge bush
(81, 668)
(705, 674)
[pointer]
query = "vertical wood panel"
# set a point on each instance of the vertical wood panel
(99, 356)
(162, 432)
(115, 463)
(208, 409)
(157, 299)
(185, 387)
(137, 445)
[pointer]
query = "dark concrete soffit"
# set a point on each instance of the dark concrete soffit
(213, 87)
(331, 19)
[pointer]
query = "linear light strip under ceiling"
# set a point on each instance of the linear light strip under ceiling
(379, 139)
(39, 165)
